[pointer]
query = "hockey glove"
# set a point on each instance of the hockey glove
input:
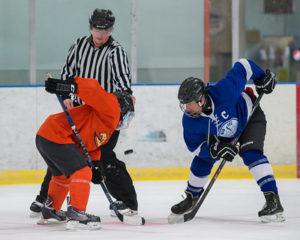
(60, 87)
(223, 150)
(266, 84)
(97, 173)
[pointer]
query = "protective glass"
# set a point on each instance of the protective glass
(125, 121)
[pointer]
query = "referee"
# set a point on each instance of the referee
(101, 57)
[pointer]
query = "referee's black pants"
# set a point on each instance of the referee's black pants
(117, 178)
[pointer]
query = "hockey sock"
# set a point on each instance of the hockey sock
(196, 184)
(199, 175)
(80, 188)
(261, 170)
(58, 190)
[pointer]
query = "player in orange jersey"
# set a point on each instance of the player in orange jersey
(95, 121)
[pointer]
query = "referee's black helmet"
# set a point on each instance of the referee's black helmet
(102, 19)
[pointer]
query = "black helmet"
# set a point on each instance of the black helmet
(191, 89)
(102, 19)
(126, 109)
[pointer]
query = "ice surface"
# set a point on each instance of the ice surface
(228, 212)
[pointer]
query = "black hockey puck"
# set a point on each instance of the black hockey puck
(129, 151)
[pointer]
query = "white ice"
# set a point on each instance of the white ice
(228, 212)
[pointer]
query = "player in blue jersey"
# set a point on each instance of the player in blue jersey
(213, 117)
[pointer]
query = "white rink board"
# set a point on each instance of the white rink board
(155, 134)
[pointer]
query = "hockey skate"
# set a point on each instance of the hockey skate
(36, 207)
(272, 210)
(123, 209)
(50, 215)
(78, 219)
(185, 206)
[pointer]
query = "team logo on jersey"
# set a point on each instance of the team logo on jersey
(228, 128)
(99, 140)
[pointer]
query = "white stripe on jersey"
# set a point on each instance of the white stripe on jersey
(247, 67)
(248, 103)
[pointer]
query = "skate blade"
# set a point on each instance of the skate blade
(278, 217)
(35, 214)
(175, 218)
(44, 221)
(123, 212)
(76, 225)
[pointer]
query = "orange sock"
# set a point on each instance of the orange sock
(58, 190)
(80, 188)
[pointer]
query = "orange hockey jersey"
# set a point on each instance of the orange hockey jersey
(95, 121)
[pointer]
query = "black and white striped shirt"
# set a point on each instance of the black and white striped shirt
(108, 64)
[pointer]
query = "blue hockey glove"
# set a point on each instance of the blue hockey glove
(223, 150)
(266, 84)
(60, 87)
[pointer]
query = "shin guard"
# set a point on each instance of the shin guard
(80, 188)
(58, 190)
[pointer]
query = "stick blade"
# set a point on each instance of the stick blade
(176, 218)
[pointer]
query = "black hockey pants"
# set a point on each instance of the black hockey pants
(117, 178)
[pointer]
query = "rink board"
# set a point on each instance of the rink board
(155, 135)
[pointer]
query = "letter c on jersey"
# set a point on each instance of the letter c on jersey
(223, 115)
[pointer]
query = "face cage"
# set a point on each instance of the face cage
(124, 123)
(189, 114)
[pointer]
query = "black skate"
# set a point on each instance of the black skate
(50, 215)
(78, 219)
(272, 210)
(36, 206)
(123, 209)
(186, 205)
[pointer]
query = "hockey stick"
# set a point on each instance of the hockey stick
(191, 214)
(132, 220)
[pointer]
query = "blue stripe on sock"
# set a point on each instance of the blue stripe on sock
(267, 184)
(254, 158)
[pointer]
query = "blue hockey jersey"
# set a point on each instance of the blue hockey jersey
(231, 107)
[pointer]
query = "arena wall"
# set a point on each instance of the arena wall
(155, 135)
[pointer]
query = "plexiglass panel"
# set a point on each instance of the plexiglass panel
(168, 42)
(273, 36)
(14, 42)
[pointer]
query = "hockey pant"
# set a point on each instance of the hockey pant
(70, 173)
(117, 178)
